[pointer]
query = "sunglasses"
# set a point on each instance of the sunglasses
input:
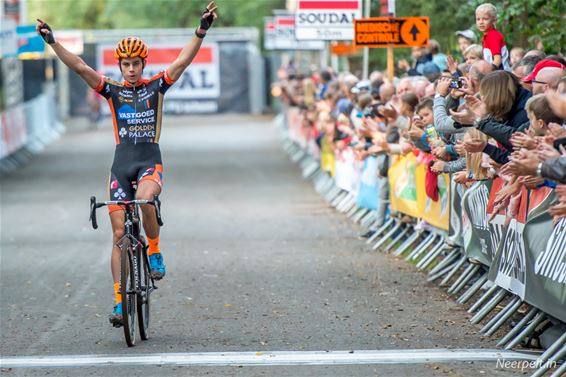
(538, 82)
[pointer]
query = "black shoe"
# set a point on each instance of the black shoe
(367, 234)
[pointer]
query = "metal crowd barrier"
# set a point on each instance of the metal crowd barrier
(446, 262)
(26, 130)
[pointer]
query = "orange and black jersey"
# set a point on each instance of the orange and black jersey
(136, 110)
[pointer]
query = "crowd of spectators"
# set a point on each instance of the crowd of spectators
(486, 113)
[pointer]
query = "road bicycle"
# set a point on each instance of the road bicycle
(136, 283)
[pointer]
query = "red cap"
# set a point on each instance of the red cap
(540, 65)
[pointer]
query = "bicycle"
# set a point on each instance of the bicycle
(136, 283)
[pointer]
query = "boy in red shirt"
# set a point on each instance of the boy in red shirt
(494, 48)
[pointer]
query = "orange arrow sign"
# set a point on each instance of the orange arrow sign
(391, 31)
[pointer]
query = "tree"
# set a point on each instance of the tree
(119, 14)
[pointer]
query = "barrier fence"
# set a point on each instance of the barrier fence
(508, 263)
(26, 129)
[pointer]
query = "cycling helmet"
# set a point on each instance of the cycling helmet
(130, 47)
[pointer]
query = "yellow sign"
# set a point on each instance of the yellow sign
(391, 31)
(403, 186)
(327, 155)
(407, 192)
(436, 213)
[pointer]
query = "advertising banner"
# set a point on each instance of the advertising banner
(508, 269)
(434, 212)
(269, 33)
(477, 237)
(13, 127)
(368, 191)
(196, 91)
(327, 20)
(283, 36)
(545, 255)
(403, 186)
(30, 45)
(344, 169)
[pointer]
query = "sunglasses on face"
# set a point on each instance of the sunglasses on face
(538, 82)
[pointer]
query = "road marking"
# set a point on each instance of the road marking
(273, 358)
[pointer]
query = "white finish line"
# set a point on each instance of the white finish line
(272, 358)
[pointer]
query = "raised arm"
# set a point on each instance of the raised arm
(189, 52)
(71, 60)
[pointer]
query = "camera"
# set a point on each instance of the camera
(371, 111)
(456, 83)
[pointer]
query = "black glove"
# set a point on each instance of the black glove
(206, 20)
(48, 38)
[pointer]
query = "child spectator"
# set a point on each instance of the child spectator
(494, 48)
(516, 55)
(465, 39)
(473, 54)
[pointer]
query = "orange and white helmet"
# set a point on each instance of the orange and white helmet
(130, 47)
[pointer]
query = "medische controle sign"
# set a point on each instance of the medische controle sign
(196, 91)
(391, 32)
(329, 20)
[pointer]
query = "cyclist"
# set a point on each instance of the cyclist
(136, 107)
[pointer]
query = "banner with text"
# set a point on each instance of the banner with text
(196, 91)
(327, 20)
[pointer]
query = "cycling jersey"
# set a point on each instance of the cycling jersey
(136, 114)
(136, 110)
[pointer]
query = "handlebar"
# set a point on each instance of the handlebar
(125, 204)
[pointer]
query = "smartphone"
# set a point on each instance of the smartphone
(456, 83)
(559, 142)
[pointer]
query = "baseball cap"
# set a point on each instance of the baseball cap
(546, 63)
(362, 86)
(469, 34)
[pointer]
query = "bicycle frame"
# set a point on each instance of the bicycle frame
(134, 249)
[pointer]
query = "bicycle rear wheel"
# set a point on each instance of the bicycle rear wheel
(143, 298)
(128, 292)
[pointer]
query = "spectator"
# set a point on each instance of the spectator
(420, 84)
(545, 75)
(504, 98)
(557, 100)
(516, 55)
(465, 39)
(557, 58)
(386, 92)
(472, 54)
(421, 57)
(438, 58)
(405, 86)
(325, 79)
(494, 47)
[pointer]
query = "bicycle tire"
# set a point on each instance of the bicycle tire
(144, 299)
(127, 283)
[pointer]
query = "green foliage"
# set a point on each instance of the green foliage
(120, 14)
(522, 23)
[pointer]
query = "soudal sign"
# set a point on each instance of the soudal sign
(197, 90)
(330, 20)
(283, 36)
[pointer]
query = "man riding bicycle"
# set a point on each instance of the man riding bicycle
(133, 103)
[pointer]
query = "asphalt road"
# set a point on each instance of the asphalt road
(256, 262)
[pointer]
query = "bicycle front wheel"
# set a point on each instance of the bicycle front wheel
(143, 298)
(128, 291)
